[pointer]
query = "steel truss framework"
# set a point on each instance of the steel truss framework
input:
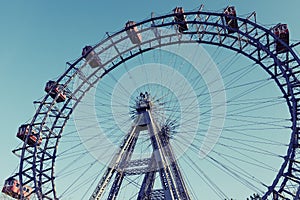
(256, 42)
(162, 161)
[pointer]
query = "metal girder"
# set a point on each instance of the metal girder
(139, 162)
(148, 182)
(136, 171)
(115, 164)
(162, 161)
(157, 195)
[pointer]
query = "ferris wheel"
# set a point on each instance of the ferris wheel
(188, 105)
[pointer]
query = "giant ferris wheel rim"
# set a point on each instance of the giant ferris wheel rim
(252, 41)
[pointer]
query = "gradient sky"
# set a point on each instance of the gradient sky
(38, 37)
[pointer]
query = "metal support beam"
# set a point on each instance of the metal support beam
(162, 161)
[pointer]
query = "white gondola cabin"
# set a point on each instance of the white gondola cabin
(12, 188)
(180, 19)
(33, 138)
(54, 90)
(231, 21)
(91, 57)
(133, 32)
(282, 32)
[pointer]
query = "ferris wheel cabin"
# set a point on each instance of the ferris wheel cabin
(12, 188)
(231, 21)
(55, 90)
(91, 57)
(282, 32)
(133, 32)
(180, 19)
(33, 138)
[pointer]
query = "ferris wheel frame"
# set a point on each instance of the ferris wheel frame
(249, 39)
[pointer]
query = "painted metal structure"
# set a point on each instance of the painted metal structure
(250, 39)
(162, 161)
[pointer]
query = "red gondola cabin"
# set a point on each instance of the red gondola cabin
(282, 32)
(54, 90)
(180, 19)
(91, 57)
(22, 133)
(133, 32)
(12, 188)
(230, 19)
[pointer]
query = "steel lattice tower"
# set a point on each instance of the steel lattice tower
(162, 161)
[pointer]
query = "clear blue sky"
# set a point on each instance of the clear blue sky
(38, 37)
